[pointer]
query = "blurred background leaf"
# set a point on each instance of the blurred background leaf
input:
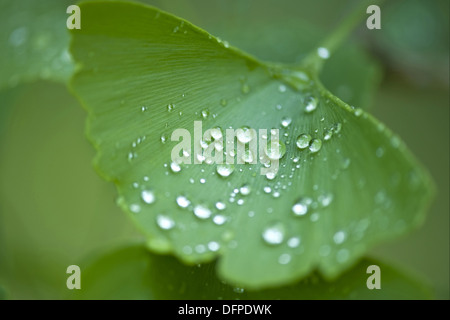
(103, 279)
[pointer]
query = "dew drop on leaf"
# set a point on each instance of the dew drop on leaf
(164, 222)
(274, 234)
(303, 141)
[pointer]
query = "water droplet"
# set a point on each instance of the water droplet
(247, 157)
(315, 145)
(219, 219)
(337, 127)
(245, 88)
(311, 104)
(285, 258)
(293, 242)
(339, 237)
(213, 246)
(342, 255)
(303, 141)
(175, 167)
(282, 88)
(170, 107)
(202, 211)
(270, 175)
(205, 113)
(267, 189)
(245, 189)
(358, 112)
(223, 102)
(163, 138)
(221, 205)
(183, 202)
(135, 208)
(165, 222)
(148, 196)
(275, 150)
(325, 199)
(274, 234)
(286, 121)
(301, 206)
(323, 53)
(245, 134)
(225, 170)
(328, 134)
(216, 133)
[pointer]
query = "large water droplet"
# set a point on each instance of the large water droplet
(221, 205)
(339, 237)
(315, 145)
(219, 219)
(216, 133)
(274, 234)
(275, 150)
(323, 53)
(225, 170)
(303, 141)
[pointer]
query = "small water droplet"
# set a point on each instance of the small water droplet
(213, 246)
(245, 88)
(170, 107)
(216, 133)
(175, 167)
(221, 205)
(380, 152)
(301, 206)
(285, 258)
(274, 234)
(311, 104)
(267, 189)
(223, 102)
(165, 222)
(245, 189)
(205, 113)
(339, 237)
(293, 242)
(202, 211)
(328, 134)
(358, 112)
(303, 141)
(135, 208)
(315, 145)
(183, 202)
(282, 88)
(245, 134)
(285, 122)
(219, 219)
(163, 138)
(148, 196)
(323, 53)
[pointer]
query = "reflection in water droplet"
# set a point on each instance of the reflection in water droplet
(274, 234)
(164, 222)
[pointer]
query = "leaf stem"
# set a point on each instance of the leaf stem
(315, 60)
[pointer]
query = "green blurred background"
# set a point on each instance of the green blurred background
(56, 211)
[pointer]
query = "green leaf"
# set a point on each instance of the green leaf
(34, 41)
(131, 272)
(144, 73)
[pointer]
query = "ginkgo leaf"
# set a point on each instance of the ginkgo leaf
(344, 181)
(107, 276)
